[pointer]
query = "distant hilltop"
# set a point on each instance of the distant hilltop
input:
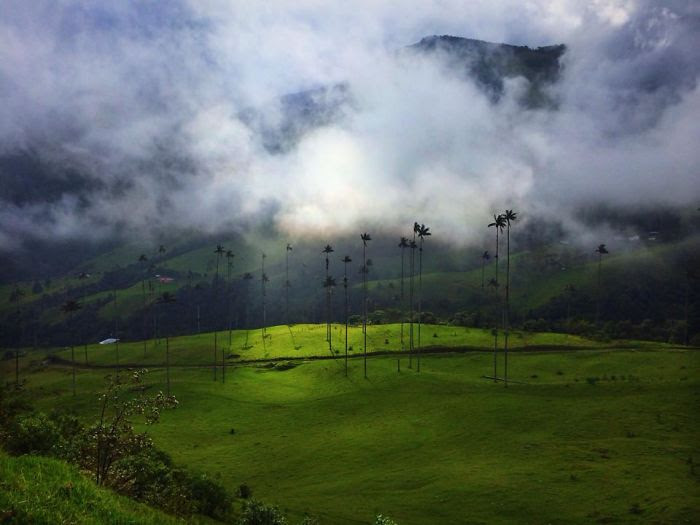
(489, 63)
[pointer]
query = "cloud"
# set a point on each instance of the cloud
(147, 99)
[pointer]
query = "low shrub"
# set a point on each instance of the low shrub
(258, 513)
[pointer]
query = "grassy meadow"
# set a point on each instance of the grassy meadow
(308, 341)
(607, 435)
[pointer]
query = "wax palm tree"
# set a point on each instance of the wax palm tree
(510, 216)
(116, 329)
(81, 277)
(327, 251)
(365, 239)
(412, 269)
(346, 260)
(165, 299)
(247, 277)
(229, 267)
(485, 257)
(69, 308)
(403, 244)
(498, 224)
(600, 250)
(143, 260)
(329, 284)
(263, 281)
(219, 251)
(153, 306)
(287, 284)
(16, 297)
(423, 232)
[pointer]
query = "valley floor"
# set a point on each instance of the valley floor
(597, 436)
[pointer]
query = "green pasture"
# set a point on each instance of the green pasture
(583, 436)
(309, 340)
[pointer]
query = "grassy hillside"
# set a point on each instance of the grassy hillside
(591, 436)
(308, 340)
(47, 491)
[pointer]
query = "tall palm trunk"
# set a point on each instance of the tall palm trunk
(328, 310)
(599, 291)
(495, 331)
(345, 286)
(216, 304)
(116, 331)
(286, 286)
(229, 267)
(402, 310)
(507, 309)
(364, 303)
(330, 316)
(420, 298)
(410, 303)
(17, 357)
(263, 292)
(143, 328)
(82, 334)
(72, 359)
(154, 311)
(167, 364)
(229, 295)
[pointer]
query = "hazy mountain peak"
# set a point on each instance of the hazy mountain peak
(489, 63)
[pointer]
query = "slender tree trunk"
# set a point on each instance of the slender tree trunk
(420, 298)
(495, 332)
(328, 308)
(286, 289)
(507, 310)
(330, 315)
(116, 346)
(230, 322)
(167, 363)
(72, 359)
(116, 329)
(216, 351)
(264, 311)
(216, 304)
(345, 285)
(154, 311)
(228, 306)
(143, 328)
(410, 307)
(364, 302)
(597, 309)
(686, 342)
(403, 308)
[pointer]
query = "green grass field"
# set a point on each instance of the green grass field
(308, 340)
(596, 435)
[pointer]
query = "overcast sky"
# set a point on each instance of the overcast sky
(144, 97)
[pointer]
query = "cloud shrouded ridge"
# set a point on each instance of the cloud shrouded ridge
(141, 113)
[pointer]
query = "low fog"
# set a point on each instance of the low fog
(146, 102)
